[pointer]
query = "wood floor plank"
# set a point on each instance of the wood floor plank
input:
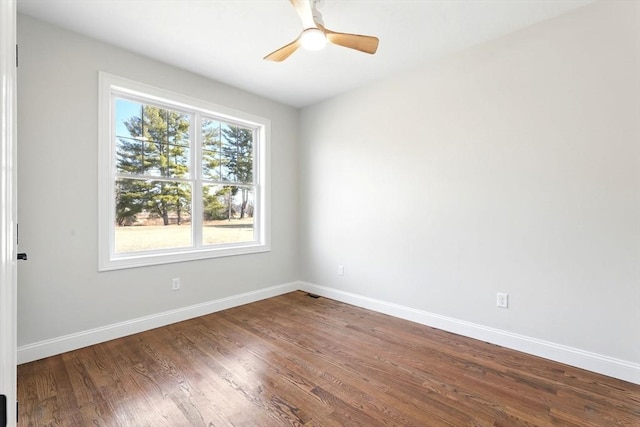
(299, 361)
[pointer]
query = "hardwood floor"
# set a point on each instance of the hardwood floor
(296, 360)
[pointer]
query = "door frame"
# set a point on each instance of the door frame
(8, 207)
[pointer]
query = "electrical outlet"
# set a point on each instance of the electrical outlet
(341, 270)
(503, 300)
(175, 284)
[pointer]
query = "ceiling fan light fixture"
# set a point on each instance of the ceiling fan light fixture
(313, 39)
(315, 36)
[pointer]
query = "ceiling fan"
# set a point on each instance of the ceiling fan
(314, 35)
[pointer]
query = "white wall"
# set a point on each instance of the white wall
(60, 290)
(512, 167)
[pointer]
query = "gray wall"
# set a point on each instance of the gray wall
(59, 289)
(511, 167)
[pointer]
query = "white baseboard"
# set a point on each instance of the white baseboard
(51, 347)
(594, 362)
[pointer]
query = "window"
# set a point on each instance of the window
(180, 179)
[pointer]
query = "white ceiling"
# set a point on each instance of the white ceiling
(227, 39)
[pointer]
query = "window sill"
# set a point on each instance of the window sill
(165, 257)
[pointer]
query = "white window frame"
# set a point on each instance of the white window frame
(110, 87)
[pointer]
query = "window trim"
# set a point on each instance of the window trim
(107, 258)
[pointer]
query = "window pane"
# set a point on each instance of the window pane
(214, 167)
(237, 151)
(178, 128)
(130, 156)
(228, 214)
(128, 117)
(210, 134)
(152, 215)
(166, 160)
(213, 163)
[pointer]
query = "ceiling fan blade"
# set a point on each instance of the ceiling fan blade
(367, 44)
(303, 8)
(284, 52)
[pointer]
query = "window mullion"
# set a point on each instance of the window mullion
(196, 159)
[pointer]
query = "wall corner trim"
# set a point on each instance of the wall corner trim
(58, 345)
(605, 365)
